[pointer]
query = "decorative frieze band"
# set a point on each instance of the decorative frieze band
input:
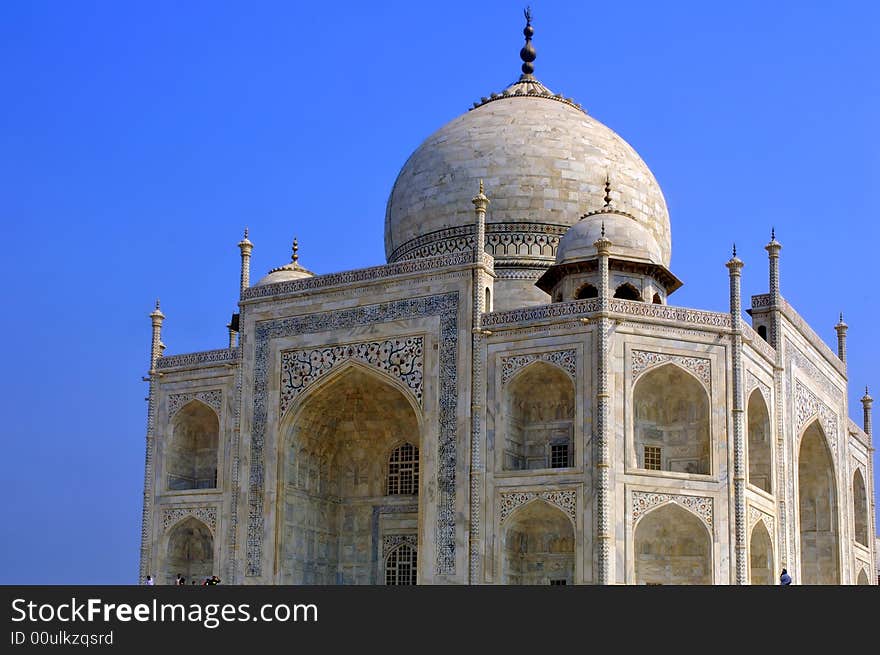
(756, 515)
(542, 312)
(207, 514)
(642, 360)
(223, 356)
(212, 398)
(401, 358)
(564, 359)
(392, 541)
(644, 501)
(670, 313)
(808, 406)
(566, 500)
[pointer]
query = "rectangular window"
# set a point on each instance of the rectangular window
(652, 458)
(559, 456)
(557, 583)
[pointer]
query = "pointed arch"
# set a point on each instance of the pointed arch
(191, 454)
(539, 403)
(760, 450)
(761, 566)
(861, 518)
(818, 508)
(189, 551)
(586, 290)
(627, 291)
(863, 577)
(538, 545)
(672, 545)
(342, 432)
(671, 421)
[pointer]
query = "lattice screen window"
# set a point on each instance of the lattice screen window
(557, 583)
(559, 456)
(400, 566)
(403, 471)
(652, 458)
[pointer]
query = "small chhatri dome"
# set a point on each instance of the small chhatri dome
(629, 239)
(291, 271)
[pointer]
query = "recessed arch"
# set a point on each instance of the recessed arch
(627, 291)
(657, 300)
(189, 551)
(863, 577)
(539, 404)
(586, 290)
(759, 440)
(861, 519)
(817, 509)
(761, 568)
(192, 451)
(671, 421)
(538, 545)
(672, 545)
(342, 432)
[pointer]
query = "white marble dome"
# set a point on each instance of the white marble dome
(543, 161)
(629, 239)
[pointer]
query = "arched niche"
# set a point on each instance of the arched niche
(860, 509)
(863, 578)
(190, 552)
(817, 510)
(760, 447)
(761, 568)
(191, 454)
(672, 546)
(585, 291)
(539, 405)
(627, 291)
(538, 546)
(672, 426)
(338, 444)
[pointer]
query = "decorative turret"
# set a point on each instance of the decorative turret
(246, 248)
(867, 401)
(156, 346)
(773, 249)
(841, 328)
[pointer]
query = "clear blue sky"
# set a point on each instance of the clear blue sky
(138, 139)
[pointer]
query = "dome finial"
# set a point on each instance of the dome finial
(295, 249)
(528, 54)
(607, 191)
(481, 185)
(603, 229)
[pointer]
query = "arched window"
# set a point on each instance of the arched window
(191, 458)
(671, 421)
(586, 291)
(540, 419)
(401, 566)
(488, 306)
(860, 507)
(657, 300)
(626, 291)
(761, 570)
(762, 332)
(403, 471)
(759, 442)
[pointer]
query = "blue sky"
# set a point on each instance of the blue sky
(137, 140)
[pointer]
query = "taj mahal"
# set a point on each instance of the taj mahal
(513, 398)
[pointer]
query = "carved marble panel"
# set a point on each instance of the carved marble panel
(212, 398)
(566, 500)
(642, 360)
(564, 359)
(207, 514)
(645, 501)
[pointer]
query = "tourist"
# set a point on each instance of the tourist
(785, 578)
(149, 581)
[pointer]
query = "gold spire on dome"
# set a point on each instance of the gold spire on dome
(295, 257)
(528, 85)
